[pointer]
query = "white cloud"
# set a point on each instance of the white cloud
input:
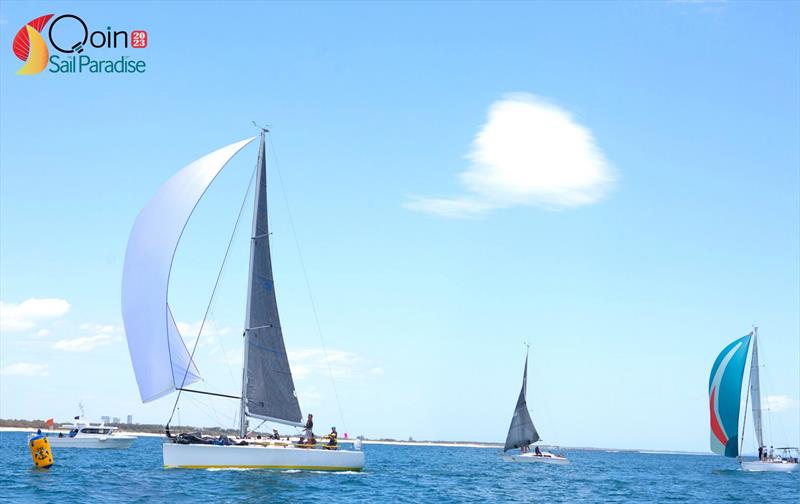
(25, 369)
(779, 403)
(529, 152)
(41, 333)
(83, 343)
(26, 315)
(312, 398)
(307, 361)
(190, 330)
(100, 328)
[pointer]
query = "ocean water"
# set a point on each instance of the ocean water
(392, 474)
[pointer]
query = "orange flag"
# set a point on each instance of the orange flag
(50, 422)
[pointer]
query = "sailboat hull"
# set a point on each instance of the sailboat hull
(260, 457)
(759, 466)
(545, 458)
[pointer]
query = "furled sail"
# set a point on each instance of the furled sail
(755, 392)
(160, 359)
(521, 432)
(268, 388)
(724, 396)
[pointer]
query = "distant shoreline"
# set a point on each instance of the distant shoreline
(350, 440)
(157, 431)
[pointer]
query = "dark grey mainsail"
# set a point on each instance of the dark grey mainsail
(267, 389)
(521, 432)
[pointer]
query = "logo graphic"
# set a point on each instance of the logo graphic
(69, 36)
(29, 46)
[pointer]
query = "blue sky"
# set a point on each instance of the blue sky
(626, 297)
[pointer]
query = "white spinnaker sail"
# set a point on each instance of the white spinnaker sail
(160, 359)
(755, 393)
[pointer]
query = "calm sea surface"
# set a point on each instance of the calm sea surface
(392, 473)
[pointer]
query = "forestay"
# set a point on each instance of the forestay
(521, 432)
(158, 353)
(268, 388)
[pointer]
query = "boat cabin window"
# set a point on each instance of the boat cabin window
(92, 430)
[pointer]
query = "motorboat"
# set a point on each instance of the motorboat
(82, 434)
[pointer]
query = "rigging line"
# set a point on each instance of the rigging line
(308, 284)
(257, 426)
(779, 427)
(220, 340)
(210, 403)
(213, 292)
(202, 407)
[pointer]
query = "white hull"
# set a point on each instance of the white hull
(545, 458)
(759, 466)
(117, 442)
(98, 442)
(260, 457)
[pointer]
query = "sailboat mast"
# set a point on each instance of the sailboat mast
(253, 235)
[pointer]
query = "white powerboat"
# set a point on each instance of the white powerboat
(163, 363)
(522, 433)
(82, 434)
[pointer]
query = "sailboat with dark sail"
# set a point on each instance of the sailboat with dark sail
(163, 364)
(725, 385)
(522, 433)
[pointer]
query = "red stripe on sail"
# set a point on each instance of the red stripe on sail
(715, 426)
(22, 45)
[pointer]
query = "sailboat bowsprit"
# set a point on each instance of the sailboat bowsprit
(725, 385)
(161, 361)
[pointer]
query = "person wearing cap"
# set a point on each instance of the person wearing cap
(332, 439)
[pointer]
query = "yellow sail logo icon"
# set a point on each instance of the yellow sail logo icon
(30, 47)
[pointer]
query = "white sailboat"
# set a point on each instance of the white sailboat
(724, 390)
(522, 433)
(163, 364)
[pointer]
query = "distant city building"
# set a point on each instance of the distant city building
(106, 419)
(116, 419)
(130, 419)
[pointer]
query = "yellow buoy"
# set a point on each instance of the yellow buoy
(40, 451)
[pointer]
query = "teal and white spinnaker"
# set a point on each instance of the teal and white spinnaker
(724, 396)
(159, 356)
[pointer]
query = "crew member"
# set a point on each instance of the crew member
(309, 426)
(332, 439)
